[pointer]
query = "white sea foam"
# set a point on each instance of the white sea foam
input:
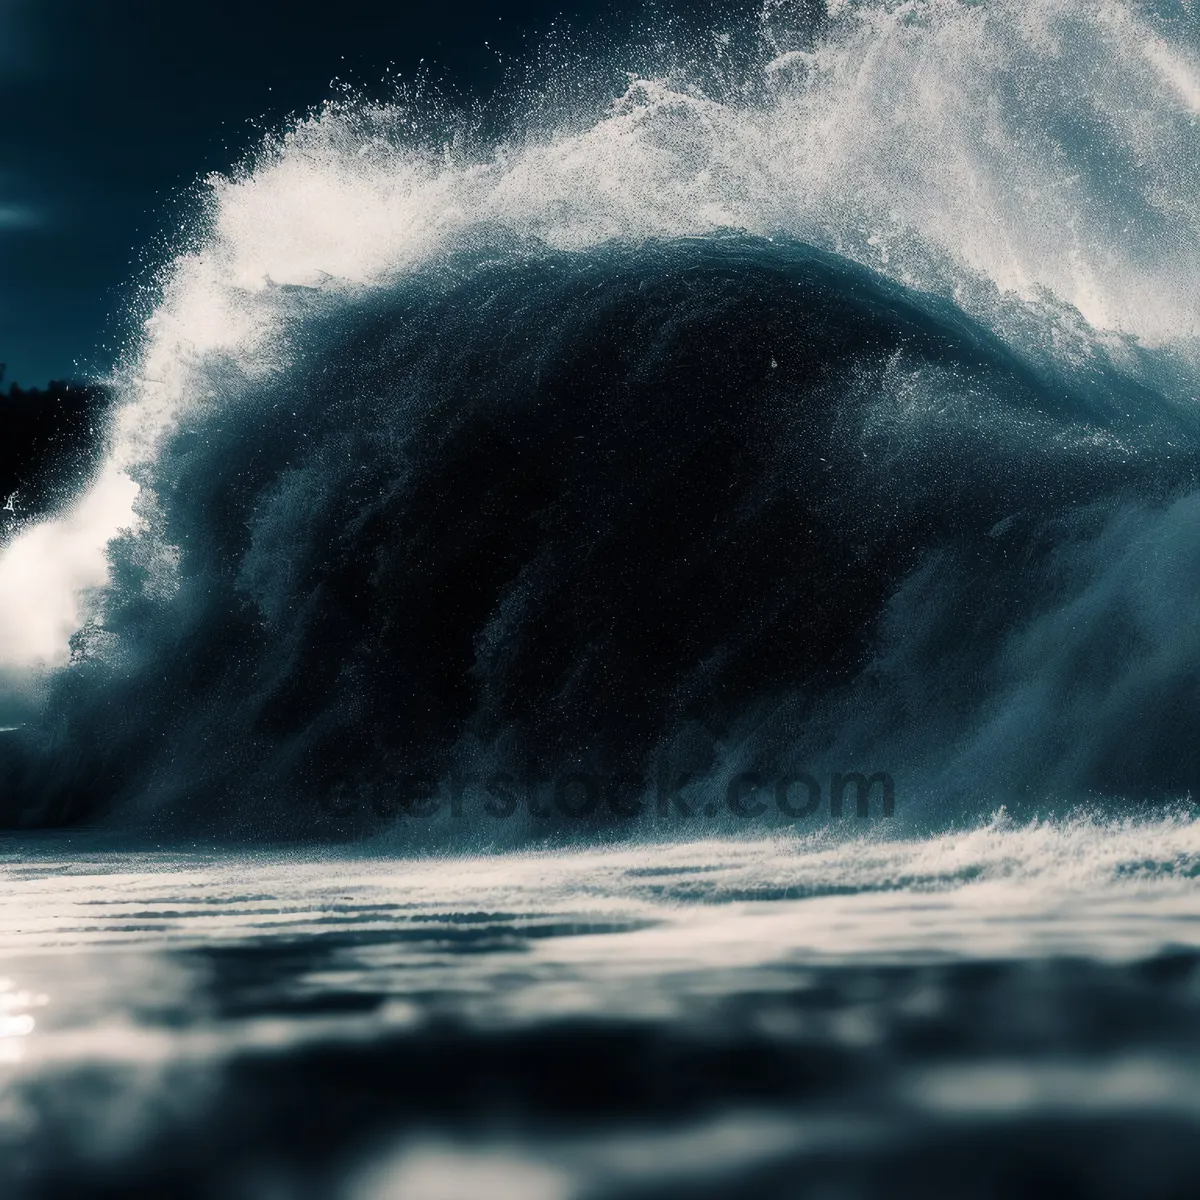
(1110, 888)
(1039, 148)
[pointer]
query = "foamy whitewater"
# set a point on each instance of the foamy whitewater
(984, 442)
(820, 403)
(1044, 151)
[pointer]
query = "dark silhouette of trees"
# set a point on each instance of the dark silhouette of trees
(50, 439)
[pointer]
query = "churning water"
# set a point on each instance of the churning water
(821, 407)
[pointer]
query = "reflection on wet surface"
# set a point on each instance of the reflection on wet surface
(976, 1016)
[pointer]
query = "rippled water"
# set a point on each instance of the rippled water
(1006, 1008)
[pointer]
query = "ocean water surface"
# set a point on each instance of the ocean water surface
(814, 402)
(998, 1010)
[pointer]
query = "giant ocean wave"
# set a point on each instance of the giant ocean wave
(845, 419)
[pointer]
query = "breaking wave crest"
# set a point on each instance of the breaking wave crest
(840, 417)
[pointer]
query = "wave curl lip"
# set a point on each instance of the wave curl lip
(998, 397)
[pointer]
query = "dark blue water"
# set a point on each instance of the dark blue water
(1008, 1011)
(649, 656)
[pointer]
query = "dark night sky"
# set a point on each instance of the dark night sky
(111, 107)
